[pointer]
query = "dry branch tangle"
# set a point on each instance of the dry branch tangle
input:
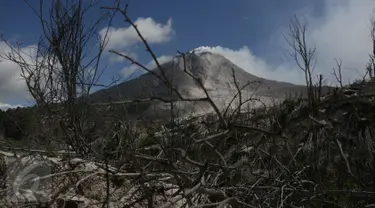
(88, 176)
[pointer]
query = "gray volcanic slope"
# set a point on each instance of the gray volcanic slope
(215, 71)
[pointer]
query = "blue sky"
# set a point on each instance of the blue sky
(197, 23)
(248, 32)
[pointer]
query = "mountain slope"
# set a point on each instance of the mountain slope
(214, 71)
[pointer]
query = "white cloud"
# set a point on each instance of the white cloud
(129, 71)
(12, 86)
(342, 32)
(161, 59)
(114, 58)
(4, 106)
(152, 31)
(257, 66)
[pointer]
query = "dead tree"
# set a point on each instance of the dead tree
(370, 68)
(64, 67)
(303, 54)
(338, 72)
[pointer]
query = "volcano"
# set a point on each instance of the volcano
(216, 73)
